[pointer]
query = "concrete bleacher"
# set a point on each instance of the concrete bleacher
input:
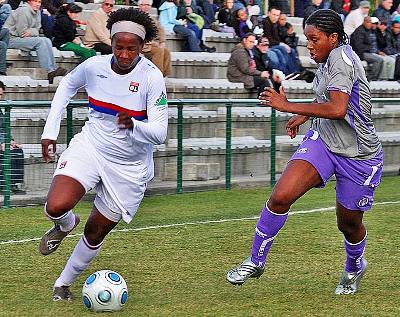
(195, 75)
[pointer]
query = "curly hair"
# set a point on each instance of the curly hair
(329, 22)
(137, 16)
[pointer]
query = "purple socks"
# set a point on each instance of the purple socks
(267, 229)
(355, 253)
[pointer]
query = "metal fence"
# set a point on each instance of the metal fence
(71, 127)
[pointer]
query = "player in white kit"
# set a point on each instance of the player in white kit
(114, 152)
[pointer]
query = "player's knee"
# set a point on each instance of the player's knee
(94, 235)
(348, 228)
(57, 208)
(280, 201)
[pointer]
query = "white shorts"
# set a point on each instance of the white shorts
(119, 188)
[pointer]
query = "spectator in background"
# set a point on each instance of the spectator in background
(64, 31)
(387, 72)
(226, 17)
(382, 37)
(281, 5)
(242, 66)
(97, 34)
(279, 52)
(4, 40)
(361, 43)
(16, 155)
(24, 25)
(156, 50)
(286, 32)
(241, 23)
(264, 63)
(310, 9)
(343, 7)
(5, 11)
(356, 17)
(47, 14)
(383, 11)
(299, 7)
(167, 17)
(393, 39)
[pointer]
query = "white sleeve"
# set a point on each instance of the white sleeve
(154, 131)
(67, 88)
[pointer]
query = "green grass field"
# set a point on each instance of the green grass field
(180, 270)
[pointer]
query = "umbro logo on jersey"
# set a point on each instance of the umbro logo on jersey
(62, 165)
(101, 76)
(133, 86)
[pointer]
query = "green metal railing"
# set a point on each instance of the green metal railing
(180, 104)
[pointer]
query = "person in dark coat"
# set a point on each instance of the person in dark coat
(64, 31)
(383, 11)
(310, 9)
(343, 7)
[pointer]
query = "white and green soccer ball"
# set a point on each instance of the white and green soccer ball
(105, 291)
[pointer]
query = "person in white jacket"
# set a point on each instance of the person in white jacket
(114, 152)
(356, 17)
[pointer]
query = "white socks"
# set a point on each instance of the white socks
(66, 221)
(79, 260)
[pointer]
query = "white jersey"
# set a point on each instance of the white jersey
(141, 93)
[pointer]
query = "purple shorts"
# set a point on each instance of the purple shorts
(356, 180)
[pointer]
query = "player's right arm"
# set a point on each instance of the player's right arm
(67, 88)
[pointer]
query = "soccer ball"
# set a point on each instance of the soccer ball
(104, 291)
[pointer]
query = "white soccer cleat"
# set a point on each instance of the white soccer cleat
(350, 282)
(246, 270)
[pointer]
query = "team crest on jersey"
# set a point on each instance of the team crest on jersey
(133, 86)
(62, 165)
(162, 100)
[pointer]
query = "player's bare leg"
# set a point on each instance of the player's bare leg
(65, 192)
(96, 229)
(350, 223)
(298, 177)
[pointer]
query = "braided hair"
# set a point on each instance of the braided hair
(329, 22)
(137, 16)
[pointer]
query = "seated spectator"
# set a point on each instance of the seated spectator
(156, 50)
(361, 43)
(393, 39)
(241, 24)
(264, 63)
(97, 34)
(47, 14)
(387, 72)
(343, 7)
(226, 17)
(4, 39)
(24, 25)
(286, 32)
(5, 11)
(383, 11)
(281, 5)
(64, 31)
(168, 12)
(242, 66)
(356, 17)
(310, 9)
(279, 52)
(16, 155)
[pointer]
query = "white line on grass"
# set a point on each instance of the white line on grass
(174, 225)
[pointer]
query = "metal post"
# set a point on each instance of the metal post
(7, 158)
(70, 130)
(273, 147)
(179, 159)
(228, 147)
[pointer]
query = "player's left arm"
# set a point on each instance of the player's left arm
(154, 131)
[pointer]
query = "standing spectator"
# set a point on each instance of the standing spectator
(383, 11)
(97, 34)
(4, 40)
(65, 35)
(361, 43)
(242, 66)
(156, 50)
(310, 9)
(5, 11)
(285, 56)
(168, 12)
(343, 7)
(281, 5)
(16, 155)
(24, 25)
(356, 17)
